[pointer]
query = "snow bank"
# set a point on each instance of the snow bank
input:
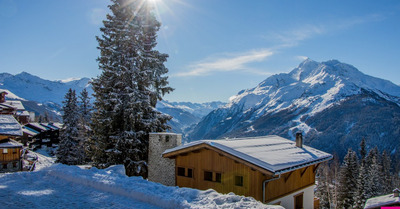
(113, 180)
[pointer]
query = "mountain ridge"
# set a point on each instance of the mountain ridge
(286, 103)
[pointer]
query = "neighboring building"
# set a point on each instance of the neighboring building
(42, 134)
(9, 127)
(384, 201)
(13, 107)
(10, 150)
(10, 155)
(271, 169)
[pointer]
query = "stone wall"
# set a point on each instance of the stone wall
(162, 170)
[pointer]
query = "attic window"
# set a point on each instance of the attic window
(5, 151)
(238, 180)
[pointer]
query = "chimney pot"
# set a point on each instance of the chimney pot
(396, 192)
(299, 140)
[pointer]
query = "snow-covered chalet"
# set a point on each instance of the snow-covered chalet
(271, 169)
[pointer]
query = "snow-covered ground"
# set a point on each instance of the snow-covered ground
(62, 186)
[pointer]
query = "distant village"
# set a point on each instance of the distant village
(19, 132)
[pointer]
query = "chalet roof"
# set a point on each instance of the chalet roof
(15, 103)
(9, 126)
(272, 153)
(50, 125)
(22, 113)
(9, 143)
(57, 125)
(385, 200)
(38, 126)
(29, 131)
(7, 106)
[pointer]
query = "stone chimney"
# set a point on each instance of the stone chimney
(162, 170)
(396, 192)
(299, 140)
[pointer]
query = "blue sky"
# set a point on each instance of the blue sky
(216, 47)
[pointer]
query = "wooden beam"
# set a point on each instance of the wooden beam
(288, 176)
(304, 171)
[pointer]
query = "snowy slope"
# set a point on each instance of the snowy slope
(302, 100)
(62, 186)
(33, 88)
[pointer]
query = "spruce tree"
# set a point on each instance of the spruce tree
(387, 179)
(360, 198)
(69, 150)
(347, 187)
(132, 81)
(85, 111)
(85, 108)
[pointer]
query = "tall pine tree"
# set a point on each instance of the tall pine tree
(69, 150)
(361, 197)
(132, 81)
(347, 187)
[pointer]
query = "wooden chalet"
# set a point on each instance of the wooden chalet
(38, 134)
(10, 150)
(271, 169)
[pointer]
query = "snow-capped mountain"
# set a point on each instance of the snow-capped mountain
(186, 114)
(46, 96)
(332, 103)
(37, 89)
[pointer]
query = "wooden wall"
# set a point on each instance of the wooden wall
(209, 160)
(12, 155)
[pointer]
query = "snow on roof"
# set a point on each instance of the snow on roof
(29, 131)
(273, 153)
(23, 113)
(39, 126)
(57, 125)
(9, 126)
(9, 143)
(15, 104)
(385, 200)
(11, 95)
(2, 105)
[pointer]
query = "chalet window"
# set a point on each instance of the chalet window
(5, 151)
(239, 180)
(5, 166)
(218, 177)
(190, 173)
(207, 176)
(181, 171)
(14, 151)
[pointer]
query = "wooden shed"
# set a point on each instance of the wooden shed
(271, 169)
